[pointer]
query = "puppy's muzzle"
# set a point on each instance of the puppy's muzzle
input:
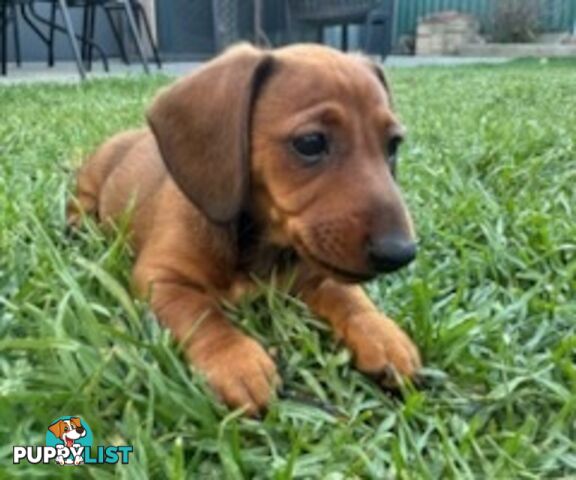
(390, 252)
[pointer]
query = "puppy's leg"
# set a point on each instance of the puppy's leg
(93, 174)
(85, 200)
(236, 366)
(379, 346)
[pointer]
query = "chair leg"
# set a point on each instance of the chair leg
(344, 37)
(27, 13)
(134, 31)
(289, 25)
(117, 36)
(142, 15)
(71, 37)
(51, 34)
(85, 35)
(68, 30)
(367, 34)
(16, 33)
(3, 37)
(377, 21)
(92, 27)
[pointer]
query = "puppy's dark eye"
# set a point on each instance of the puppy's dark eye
(392, 152)
(393, 144)
(311, 147)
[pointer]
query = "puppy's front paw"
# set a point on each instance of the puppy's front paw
(240, 371)
(381, 349)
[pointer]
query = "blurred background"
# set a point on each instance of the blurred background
(143, 31)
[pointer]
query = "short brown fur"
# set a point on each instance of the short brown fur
(219, 194)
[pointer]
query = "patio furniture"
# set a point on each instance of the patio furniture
(34, 19)
(9, 16)
(134, 14)
(9, 13)
(132, 10)
(142, 24)
(323, 13)
(25, 9)
(3, 37)
(138, 26)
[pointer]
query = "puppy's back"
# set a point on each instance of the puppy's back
(126, 166)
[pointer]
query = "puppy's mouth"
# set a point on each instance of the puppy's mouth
(69, 442)
(338, 273)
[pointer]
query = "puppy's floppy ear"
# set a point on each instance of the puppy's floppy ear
(379, 72)
(202, 126)
(384, 81)
(76, 421)
(57, 428)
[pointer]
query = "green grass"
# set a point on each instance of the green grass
(489, 171)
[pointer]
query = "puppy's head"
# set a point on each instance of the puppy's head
(305, 137)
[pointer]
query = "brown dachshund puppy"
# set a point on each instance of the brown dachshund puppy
(262, 162)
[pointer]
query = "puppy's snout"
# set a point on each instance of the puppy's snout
(80, 430)
(390, 252)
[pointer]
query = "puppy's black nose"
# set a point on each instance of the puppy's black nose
(80, 430)
(390, 252)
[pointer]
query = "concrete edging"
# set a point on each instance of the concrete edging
(514, 50)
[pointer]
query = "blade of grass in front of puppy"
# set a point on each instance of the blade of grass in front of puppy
(111, 285)
(62, 269)
(177, 460)
(229, 448)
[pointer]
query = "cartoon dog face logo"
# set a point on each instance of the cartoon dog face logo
(68, 431)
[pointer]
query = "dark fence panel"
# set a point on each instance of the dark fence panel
(555, 15)
(185, 28)
(559, 15)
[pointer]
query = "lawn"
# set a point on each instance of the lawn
(489, 171)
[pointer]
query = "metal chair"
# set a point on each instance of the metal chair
(32, 18)
(27, 10)
(143, 25)
(87, 40)
(137, 22)
(9, 15)
(323, 13)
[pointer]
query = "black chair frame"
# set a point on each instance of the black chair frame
(141, 22)
(9, 15)
(135, 15)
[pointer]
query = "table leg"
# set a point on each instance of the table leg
(64, 12)
(51, 34)
(135, 34)
(16, 34)
(3, 36)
